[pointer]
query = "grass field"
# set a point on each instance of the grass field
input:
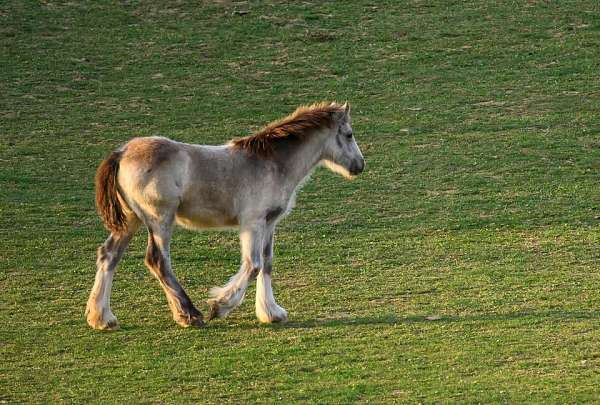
(462, 266)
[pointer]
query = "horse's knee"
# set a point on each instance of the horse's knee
(254, 265)
(254, 270)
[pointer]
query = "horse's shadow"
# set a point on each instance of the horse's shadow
(394, 319)
(250, 323)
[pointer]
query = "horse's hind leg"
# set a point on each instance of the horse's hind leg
(98, 312)
(158, 262)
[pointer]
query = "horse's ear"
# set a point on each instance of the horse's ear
(343, 112)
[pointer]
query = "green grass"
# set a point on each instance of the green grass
(480, 204)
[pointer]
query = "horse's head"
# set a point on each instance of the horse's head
(341, 153)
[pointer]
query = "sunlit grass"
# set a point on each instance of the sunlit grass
(462, 266)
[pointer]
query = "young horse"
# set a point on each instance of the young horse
(249, 183)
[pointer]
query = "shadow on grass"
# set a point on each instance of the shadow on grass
(392, 319)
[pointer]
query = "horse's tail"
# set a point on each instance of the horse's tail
(107, 198)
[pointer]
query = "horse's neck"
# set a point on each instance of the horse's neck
(299, 162)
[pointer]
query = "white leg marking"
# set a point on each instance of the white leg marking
(231, 295)
(267, 310)
(224, 299)
(99, 314)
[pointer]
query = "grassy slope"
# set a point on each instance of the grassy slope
(480, 204)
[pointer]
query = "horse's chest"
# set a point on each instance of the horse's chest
(277, 211)
(274, 213)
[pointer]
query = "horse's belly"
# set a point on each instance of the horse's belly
(206, 218)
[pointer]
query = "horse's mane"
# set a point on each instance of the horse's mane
(297, 125)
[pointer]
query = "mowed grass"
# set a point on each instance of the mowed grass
(462, 266)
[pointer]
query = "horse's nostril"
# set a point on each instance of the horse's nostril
(357, 167)
(360, 166)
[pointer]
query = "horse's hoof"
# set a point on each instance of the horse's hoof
(197, 323)
(279, 319)
(101, 319)
(190, 321)
(100, 324)
(213, 310)
(275, 319)
(112, 324)
(276, 315)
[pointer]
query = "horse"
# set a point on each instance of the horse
(249, 183)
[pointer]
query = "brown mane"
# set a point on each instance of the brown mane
(295, 126)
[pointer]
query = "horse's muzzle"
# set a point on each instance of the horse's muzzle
(357, 167)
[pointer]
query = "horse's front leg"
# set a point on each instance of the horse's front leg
(224, 299)
(267, 310)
